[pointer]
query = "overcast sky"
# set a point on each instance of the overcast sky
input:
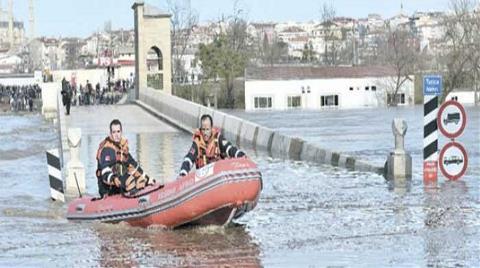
(80, 18)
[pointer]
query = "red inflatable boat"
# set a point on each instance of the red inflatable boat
(214, 194)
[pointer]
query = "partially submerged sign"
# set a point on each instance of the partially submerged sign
(453, 160)
(452, 119)
(432, 88)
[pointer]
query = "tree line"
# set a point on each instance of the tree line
(456, 57)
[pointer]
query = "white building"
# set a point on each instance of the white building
(283, 87)
(464, 96)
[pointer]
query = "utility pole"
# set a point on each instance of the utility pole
(1, 11)
(354, 54)
(10, 23)
(32, 19)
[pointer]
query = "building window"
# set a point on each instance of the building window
(367, 88)
(330, 100)
(400, 98)
(294, 101)
(351, 88)
(374, 88)
(263, 102)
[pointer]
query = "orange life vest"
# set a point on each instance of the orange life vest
(121, 149)
(121, 153)
(121, 167)
(208, 151)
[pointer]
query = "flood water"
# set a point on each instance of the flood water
(308, 215)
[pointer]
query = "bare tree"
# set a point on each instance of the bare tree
(274, 52)
(460, 58)
(35, 60)
(183, 21)
(329, 34)
(400, 52)
(229, 53)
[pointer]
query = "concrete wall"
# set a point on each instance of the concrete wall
(50, 104)
(20, 80)
(359, 97)
(185, 115)
(94, 76)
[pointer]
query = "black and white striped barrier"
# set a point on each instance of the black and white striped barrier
(55, 175)
(432, 87)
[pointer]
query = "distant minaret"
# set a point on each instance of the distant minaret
(1, 11)
(10, 22)
(32, 19)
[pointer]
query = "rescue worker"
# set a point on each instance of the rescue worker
(117, 170)
(208, 146)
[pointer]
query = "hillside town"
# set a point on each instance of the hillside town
(354, 41)
(419, 39)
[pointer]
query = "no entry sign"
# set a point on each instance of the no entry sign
(451, 119)
(453, 160)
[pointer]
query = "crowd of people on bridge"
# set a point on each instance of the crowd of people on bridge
(87, 94)
(20, 97)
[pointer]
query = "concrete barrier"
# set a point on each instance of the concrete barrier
(187, 112)
(248, 133)
(295, 148)
(218, 119)
(280, 145)
(231, 129)
(186, 115)
(264, 139)
(309, 152)
(49, 99)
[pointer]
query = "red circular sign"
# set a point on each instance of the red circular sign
(455, 117)
(452, 159)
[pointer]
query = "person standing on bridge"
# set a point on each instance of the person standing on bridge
(117, 170)
(208, 146)
(66, 96)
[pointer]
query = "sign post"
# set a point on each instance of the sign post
(432, 88)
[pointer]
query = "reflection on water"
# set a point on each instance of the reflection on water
(203, 246)
(448, 229)
(307, 216)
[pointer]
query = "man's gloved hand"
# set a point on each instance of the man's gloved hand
(240, 154)
(116, 180)
(150, 181)
(183, 173)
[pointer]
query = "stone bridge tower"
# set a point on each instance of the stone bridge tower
(153, 67)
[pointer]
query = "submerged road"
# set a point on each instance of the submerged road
(96, 119)
(307, 215)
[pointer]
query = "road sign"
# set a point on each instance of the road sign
(451, 119)
(430, 171)
(453, 160)
(432, 85)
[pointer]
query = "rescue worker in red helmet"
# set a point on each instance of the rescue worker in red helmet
(117, 170)
(208, 146)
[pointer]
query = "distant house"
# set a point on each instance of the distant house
(464, 96)
(282, 87)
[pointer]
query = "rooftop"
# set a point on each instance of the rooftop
(309, 72)
(151, 11)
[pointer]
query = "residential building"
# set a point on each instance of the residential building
(300, 87)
